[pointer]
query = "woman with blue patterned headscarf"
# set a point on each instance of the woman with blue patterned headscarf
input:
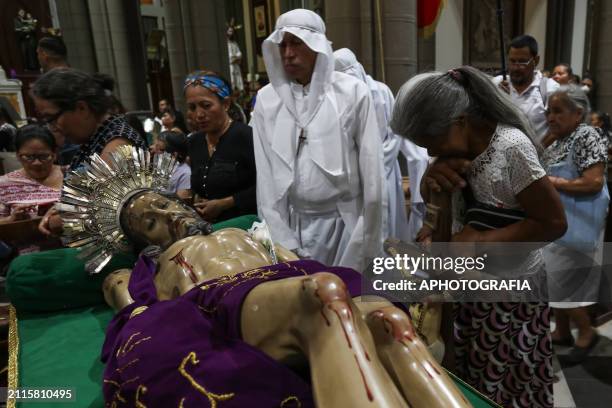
(221, 150)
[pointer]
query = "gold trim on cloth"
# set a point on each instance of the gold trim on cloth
(13, 348)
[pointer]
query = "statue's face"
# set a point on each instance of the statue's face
(158, 220)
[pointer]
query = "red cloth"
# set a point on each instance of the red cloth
(428, 12)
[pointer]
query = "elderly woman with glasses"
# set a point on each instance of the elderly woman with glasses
(79, 106)
(31, 190)
(223, 173)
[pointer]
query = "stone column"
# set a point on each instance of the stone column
(602, 58)
(342, 21)
(74, 21)
(399, 38)
(195, 33)
(115, 55)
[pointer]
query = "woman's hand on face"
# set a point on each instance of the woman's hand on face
(445, 175)
(52, 223)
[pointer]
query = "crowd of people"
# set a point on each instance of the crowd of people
(318, 161)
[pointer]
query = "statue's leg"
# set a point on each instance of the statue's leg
(422, 381)
(316, 317)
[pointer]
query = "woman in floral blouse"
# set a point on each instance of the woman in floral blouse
(574, 275)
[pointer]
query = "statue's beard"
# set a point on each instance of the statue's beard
(184, 226)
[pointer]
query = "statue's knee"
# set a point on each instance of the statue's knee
(324, 288)
(391, 324)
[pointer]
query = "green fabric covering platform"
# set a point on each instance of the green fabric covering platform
(61, 323)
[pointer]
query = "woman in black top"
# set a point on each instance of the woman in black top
(222, 160)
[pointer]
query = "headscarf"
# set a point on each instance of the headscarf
(209, 81)
(345, 61)
(310, 28)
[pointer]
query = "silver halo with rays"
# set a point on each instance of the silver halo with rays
(94, 195)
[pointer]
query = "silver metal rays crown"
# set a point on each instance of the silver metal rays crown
(94, 195)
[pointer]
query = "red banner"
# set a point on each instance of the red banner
(428, 13)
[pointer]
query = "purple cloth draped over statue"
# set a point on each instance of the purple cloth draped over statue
(188, 351)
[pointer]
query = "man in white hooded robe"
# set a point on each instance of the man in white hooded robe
(317, 149)
(398, 226)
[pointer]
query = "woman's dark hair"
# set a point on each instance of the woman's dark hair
(606, 126)
(169, 111)
(64, 87)
(567, 67)
(428, 104)
(176, 143)
(34, 132)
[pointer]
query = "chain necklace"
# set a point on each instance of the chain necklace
(212, 148)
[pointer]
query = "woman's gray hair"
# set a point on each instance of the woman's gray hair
(427, 104)
(574, 98)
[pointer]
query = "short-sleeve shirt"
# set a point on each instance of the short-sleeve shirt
(532, 102)
(507, 166)
(112, 128)
(180, 179)
(587, 145)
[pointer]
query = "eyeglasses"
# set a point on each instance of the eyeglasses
(521, 64)
(33, 157)
(51, 119)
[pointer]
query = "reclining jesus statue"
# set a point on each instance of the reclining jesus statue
(221, 320)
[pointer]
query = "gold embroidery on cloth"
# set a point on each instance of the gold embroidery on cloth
(138, 311)
(117, 395)
(289, 399)
(129, 346)
(237, 280)
(13, 348)
(212, 398)
(143, 389)
(181, 402)
(120, 370)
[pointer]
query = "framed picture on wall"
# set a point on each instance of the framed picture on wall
(261, 26)
(481, 38)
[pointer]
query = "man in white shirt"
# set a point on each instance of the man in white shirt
(528, 88)
(317, 149)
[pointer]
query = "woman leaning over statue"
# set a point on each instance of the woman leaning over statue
(222, 160)
(460, 116)
(77, 105)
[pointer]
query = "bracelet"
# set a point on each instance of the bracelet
(431, 216)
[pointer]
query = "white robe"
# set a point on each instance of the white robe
(325, 202)
(396, 222)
